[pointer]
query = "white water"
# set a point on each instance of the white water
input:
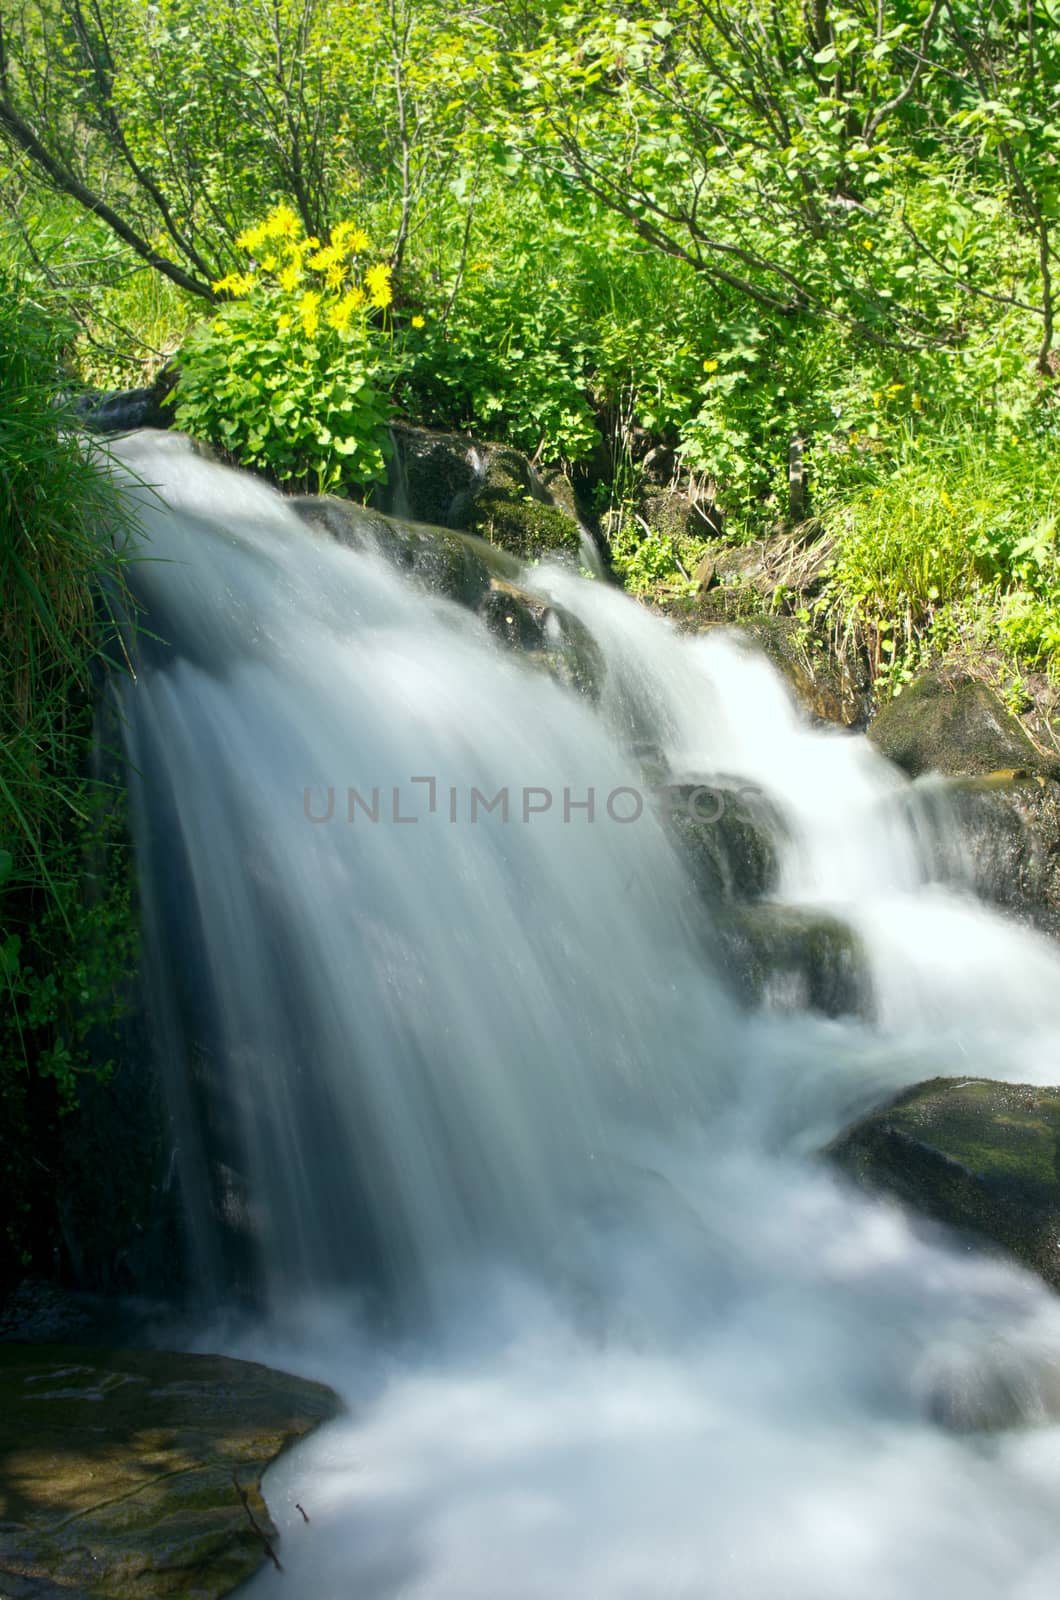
(640, 1344)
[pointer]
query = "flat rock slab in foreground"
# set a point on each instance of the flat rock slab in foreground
(974, 1154)
(118, 1470)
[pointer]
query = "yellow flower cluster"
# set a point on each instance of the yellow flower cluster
(336, 296)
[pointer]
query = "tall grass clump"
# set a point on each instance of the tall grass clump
(65, 914)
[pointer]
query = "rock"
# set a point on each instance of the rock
(123, 410)
(796, 958)
(548, 634)
(956, 725)
(119, 1469)
(441, 560)
(727, 834)
(977, 1155)
(999, 836)
(526, 528)
(451, 481)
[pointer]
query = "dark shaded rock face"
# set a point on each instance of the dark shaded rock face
(452, 481)
(956, 726)
(123, 410)
(977, 1155)
(123, 1474)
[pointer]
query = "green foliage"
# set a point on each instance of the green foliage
(512, 360)
(66, 924)
(290, 378)
(954, 523)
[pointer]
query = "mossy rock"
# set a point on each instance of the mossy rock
(526, 528)
(978, 1155)
(122, 1474)
(726, 833)
(954, 725)
(796, 958)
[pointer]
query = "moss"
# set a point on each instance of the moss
(978, 1155)
(953, 725)
(526, 528)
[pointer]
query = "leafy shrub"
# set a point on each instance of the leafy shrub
(291, 376)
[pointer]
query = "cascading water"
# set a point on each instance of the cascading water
(640, 1343)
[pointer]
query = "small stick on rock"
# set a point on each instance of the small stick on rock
(302, 1509)
(262, 1535)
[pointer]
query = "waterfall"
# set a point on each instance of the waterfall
(467, 1107)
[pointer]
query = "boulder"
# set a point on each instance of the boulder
(1005, 833)
(726, 832)
(954, 724)
(124, 410)
(452, 481)
(549, 635)
(978, 1155)
(136, 1474)
(446, 562)
(796, 958)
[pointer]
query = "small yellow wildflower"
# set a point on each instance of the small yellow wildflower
(283, 322)
(323, 259)
(289, 278)
(419, 322)
(252, 239)
(340, 312)
(269, 264)
(356, 296)
(377, 283)
(281, 223)
(894, 388)
(309, 311)
(235, 284)
(710, 366)
(335, 275)
(347, 236)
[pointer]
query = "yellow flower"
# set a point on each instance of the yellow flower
(269, 264)
(946, 501)
(340, 311)
(894, 388)
(281, 223)
(289, 278)
(252, 239)
(323, 259)
(309, 311)
(377, 283)
(419, 322)
(235, 284)
(283, 322)
(335, 276)
(347, 236)
(710, 366)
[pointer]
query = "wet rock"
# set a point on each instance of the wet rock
(549, 635)
(978, 1155)
(122, 1474)
(451, 481)
(999, 836)
(439, 559)
(124, 410)
(956, 725)
(726, 832)
(796, 958)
